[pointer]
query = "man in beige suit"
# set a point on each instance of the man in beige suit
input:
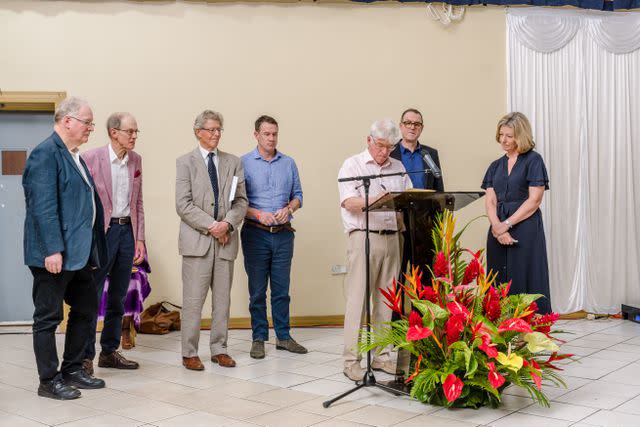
(211, 202)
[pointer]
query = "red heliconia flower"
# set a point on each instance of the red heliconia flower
(479, 330)
(452, 387)
(441, 266)
(543, 323)
(491, 305)
(454, 327)
(471, 272)
(393, 297)
(505, 289)
(535, 376)
(417, 331)
(517, 325)
(457, 309)
(490, 349)
(495, 378)
(415, 372)
(554, 357)
(533, 308)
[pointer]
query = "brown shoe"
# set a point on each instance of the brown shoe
(128, 340)
(223, 360)
(87, 365)
(116, 360)
(192, 363)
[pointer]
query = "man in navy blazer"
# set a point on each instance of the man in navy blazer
(63, 243)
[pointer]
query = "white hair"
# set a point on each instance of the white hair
(385, 129)
(69, 107)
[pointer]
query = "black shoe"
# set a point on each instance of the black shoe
(57, 389)
(81, 379)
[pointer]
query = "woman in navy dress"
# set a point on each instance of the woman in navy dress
(515, 185)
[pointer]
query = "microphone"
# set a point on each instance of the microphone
(435, 170)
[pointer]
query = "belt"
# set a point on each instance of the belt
(121, 221)
(383, 232)
(270, 228)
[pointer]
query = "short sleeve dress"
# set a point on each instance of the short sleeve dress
(525, 262)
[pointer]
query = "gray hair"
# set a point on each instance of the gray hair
(115, 120)
(69, 107)
(207, 115)
(385, 129)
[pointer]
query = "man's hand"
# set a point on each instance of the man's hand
(282, 215)
(140, 252)
(267, 218)
(53, 263)
(219, 229)
(223, 240)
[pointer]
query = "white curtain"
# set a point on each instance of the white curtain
(576, 75)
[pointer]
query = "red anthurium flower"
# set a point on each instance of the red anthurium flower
(417, 330)
(543, 323)
(486, 346)
(454, 327)
(535, 374)
(441, 266)
(495, 378)
(393, 297)
(517, 325)
(491, 304)
(452, 387)
(427, 293)
(471, 272)
(457, 309)
(416, 371)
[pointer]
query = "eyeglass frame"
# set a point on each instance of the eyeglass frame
(129, 132)
(415, 125)
(214, 130)
(87, 123)
(389, 147)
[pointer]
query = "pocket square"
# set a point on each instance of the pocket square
(137, 173)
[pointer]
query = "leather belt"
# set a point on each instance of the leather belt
(383, 232)
(270, 228)
(121, 221)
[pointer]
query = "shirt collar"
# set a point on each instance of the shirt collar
(368, 158)
(205, 153)
(405, 150)
(257, 156)
(113, 158)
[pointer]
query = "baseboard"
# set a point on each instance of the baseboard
(295, 321)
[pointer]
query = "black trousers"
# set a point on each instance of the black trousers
(78, 290)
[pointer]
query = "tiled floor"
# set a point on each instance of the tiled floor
(288, 390)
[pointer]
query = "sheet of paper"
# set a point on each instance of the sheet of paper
(234, 185)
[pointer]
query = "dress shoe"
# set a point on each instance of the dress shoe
(290, 345)
(81, 379)
(116, 360)
(193, 363)
(223, 360)
(87, 365)
(354, 372)
(57, 389)
(384, 365)
(257, 350)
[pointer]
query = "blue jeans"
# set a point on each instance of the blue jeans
(120, 251)
(267, 258)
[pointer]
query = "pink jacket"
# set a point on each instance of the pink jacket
(97, 161)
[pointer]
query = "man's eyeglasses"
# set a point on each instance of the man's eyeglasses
(87, 123)
(129, 132)
(381, 147)
(214, 130)
(411, 124)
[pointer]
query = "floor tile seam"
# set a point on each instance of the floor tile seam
(626, 401)
(572, 404)
(191, 410)
(294, 409)
(20, 416)
(69, 421)
(30, 389)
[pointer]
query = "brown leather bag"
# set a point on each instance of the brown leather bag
(158, 319)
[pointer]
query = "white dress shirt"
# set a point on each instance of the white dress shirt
(119, 185)
(363, 164)
(205, 156)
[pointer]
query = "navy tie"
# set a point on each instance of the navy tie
(213, 176)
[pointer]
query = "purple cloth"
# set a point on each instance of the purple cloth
(139, 290)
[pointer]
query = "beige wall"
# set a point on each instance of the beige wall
(325, 71)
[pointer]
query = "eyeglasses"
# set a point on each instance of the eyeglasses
(381, 147)
(87, 123)
(411, 124)
(129, 132)
(214, 130)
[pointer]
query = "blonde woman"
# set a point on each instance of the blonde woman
(515, 185)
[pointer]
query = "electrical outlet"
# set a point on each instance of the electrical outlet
(338, 269)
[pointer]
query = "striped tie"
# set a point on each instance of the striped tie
(213, 176)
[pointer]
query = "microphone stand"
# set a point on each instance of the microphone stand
(369, 380)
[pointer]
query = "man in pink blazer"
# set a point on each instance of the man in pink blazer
(117, 172)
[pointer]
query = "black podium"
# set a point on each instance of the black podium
(419, 208)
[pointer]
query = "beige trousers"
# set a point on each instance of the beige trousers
(385, 258)
(199, 274)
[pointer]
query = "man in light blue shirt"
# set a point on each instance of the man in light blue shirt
(275, 193)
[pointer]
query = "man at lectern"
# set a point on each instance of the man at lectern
(384, 238)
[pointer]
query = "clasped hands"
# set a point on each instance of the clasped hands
(501, 232)
(279, 217)
(220, 230)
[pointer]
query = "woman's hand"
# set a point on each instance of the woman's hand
(505, 239)
(499, 229)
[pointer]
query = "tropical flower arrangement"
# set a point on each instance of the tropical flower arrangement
(468, 336)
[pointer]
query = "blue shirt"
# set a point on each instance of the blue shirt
(271, 184)
(412, 161)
